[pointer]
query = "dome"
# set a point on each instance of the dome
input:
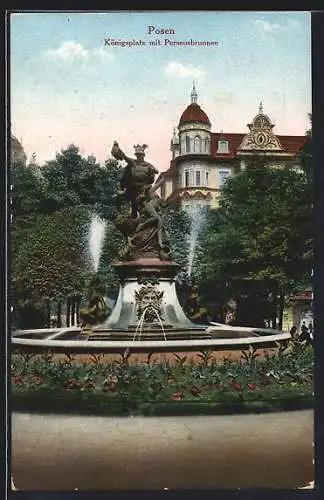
(194, 113)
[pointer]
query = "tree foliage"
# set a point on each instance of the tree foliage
(52, 207)
(177, 226)
(28, 189)
(74, 180)
(262, 229)
(52, 262)
(112, 244)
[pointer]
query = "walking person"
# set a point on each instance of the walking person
(305, 334)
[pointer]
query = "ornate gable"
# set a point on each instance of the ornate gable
(261, 136)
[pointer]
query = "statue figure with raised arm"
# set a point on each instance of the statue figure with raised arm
(143, 227)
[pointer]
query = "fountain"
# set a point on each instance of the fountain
(197, 221)
(147, 316)
(96, 239)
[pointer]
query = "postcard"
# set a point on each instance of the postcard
(161, 250)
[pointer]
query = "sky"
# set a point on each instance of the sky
(67, 85)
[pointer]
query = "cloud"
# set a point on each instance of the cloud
(73, 51)
(273, 28)
(180, 70)
(68, 50)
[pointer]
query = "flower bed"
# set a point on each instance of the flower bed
(280, 381)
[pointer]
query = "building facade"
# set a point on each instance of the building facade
(203, 160)
(17, 153)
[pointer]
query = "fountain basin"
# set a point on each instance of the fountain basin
(227, 342)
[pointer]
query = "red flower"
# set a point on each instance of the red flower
(235, 385)
(252, 387)
(195, 390)
(72, 384)
(177, 396)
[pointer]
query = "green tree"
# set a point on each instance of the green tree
(52, 260)
(28, 189)
(305, 155)
(64, 177)
(262, 229)
(49, 204)
(106, 186)
(113, 243)
(73, 179)
(177, 226)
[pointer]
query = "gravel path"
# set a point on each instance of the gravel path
(97, 453)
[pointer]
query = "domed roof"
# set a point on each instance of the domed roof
(194, 113)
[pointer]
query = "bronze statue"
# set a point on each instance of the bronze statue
(142, 228)
(96, 311)
(137, 175)
(195, 311)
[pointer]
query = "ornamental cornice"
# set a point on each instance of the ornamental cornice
(194, 195)
(183, 127)
(261, 136)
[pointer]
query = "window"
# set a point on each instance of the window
(183, 145)
(187, 143)
(206, 178)
(223, 176)
(222, 146)
(186, 183)
(197, 177)
(207, 147)
(197, 144)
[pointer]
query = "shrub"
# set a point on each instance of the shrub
(46, 383)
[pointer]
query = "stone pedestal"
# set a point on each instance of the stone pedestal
(147, 307)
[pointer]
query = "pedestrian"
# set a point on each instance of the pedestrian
(304, 334)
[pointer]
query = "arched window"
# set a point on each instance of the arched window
(207, 142)
(222, 146)
(187, 144)
(197, 144)
(183, 145)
